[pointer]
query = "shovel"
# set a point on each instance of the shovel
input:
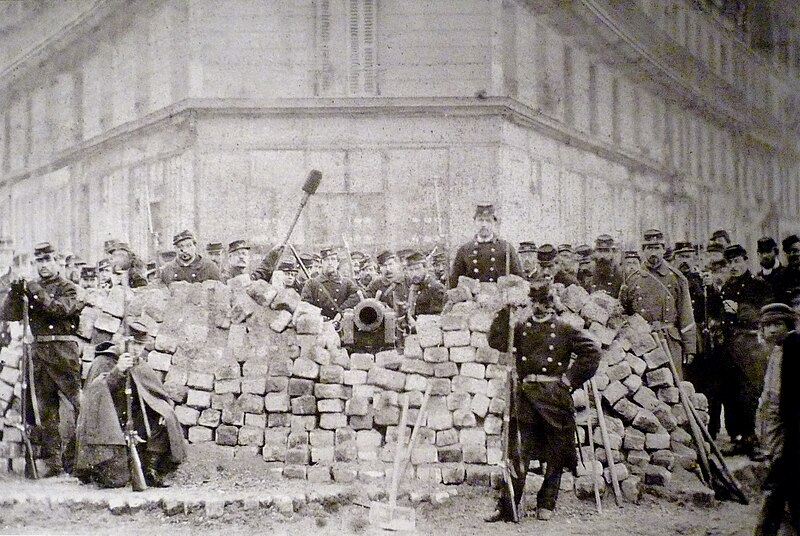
(390, 516)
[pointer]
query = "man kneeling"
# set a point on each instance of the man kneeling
(102, 452)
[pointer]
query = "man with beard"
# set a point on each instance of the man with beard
(238, 258)
(769, 260)
(552, 358)
(426, 296)
(567, 272)
(744, 361)
(53, 309)
(585, 264)
(606, 275)
(660, 294)
(484, 257)
(330, 291)
(102, 454)
(367, 272)
(787, 283)
(527, 256)
(125, 263)
(390, 287)
(189, 266)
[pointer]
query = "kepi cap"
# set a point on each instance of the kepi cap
(237, 245)
(43, 248)
(183, 235)
(604, 242)
(765, 244)
(485, 210)
(776, 312)
(214, 247)
(733, 251)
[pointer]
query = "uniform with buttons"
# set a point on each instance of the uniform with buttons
(342, 290)
(484, 261)
(199, 270)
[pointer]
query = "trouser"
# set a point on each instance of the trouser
(703, 372)
(744, 368)
(544, 442)
(779, 492)
(56, 369)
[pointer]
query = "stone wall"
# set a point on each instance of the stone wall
(257, 371)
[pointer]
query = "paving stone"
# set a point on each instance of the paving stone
(462, 354)
(300, 387)
(646, 421)
(657, 441)
(657, 475)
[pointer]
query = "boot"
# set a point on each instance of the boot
(150, 468)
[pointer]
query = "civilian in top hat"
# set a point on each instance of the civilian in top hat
(426, 296)
(632, 262)
(125, 263)
(552, 359)
(787, 283)
(527, 256)
(607, 275)
(744, 360)
(238, 259)
(585, 264)
(7, 276)
(189, 266)
(102, 456)
(779, 407)
(54, 309)
(546, 259)
(484, 257)
(214, 253)
(660, 294)
(721, 237)
(768, 259)
(566, 266)
(330, 291)
(391, 286)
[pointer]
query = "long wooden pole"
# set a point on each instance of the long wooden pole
(601, 419)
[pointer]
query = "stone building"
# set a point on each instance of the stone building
(576, 117)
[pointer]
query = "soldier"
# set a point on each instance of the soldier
(484, 257)
(566, 266)
(787, 283)
(714, 252)
(289, 279)
(722, 238)
(552, 358)
(391, 287)
(546, 259)
(769, 260)
(330, 291)
(104, 274)
(744, 358)
(632, 263)
(238, 258)
(124, 262)
(440, 266)
(7, 276)
(88, 277)
(54, 308)
(189, 266)
(607, 275)
(214, 254)
(78, 263)
(102, 455)
(426, 296)
(108, 244)
(527, 256)
(357, 262)
(367, 273)
(660, 294)
(585, 266)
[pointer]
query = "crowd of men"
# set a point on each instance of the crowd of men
(703, 297)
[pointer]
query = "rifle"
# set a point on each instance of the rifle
(154, 238)
(132, 438)
(506, 464)
(27, 385)
(349, 259)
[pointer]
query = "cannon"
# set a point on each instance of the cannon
(370, 327)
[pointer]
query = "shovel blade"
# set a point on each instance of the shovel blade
(396, 518)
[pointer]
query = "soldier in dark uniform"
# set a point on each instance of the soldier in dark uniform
(54, 308)
(552, 359)
(787, 283)
(104, 274)
(745, 358)
(391, 287)
(367, 272)
(527, 256)
(632, 263)
(88, 277)
(289, 271)
(214, 254)
(566, 266)
(714, 252)
(426, 296)
(769, 260)
(585, 265)
(546, 259)
(440, 267)
(189, 265)
(721, 237)
(660, 294)
(238, 258)
(7, 276)
(484, 257)
(607, 274)
(330, 291)
(126, 263)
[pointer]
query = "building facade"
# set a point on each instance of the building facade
(136, 119)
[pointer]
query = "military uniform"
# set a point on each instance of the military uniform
(484, 261)
(54, 309)
(552, 359)
(606, 278)
(385, 290)
(342, 290)
(197, 271)
(430, 296)
(744, 357)
(660, 295)
(786, 284)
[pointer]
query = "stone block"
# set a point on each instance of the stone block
(574, 297)
(646, 421)
(354, 377)
(615, 392)
(448, 369)
(626, 409)
(474, 453)
(227, 386)
(308, 324)
(218, 401)
(411, 347)
(615, 440)
(633, 383)
(456, 338)
(187, 416)
(255, 420)
(473, 370)
(603, 335)
(664, 415)
(388, 379)
(657, 441)
(664, 458)
(251, 436)
(620, 471)
(251, 403)
(480, 405)
(227, 435)
(469, 385)
(458, 295)
(298, 456)
(634, 439)
(659, 378)
(481, 321)
(464, 419)
(487, 355)
(619, 372)
(646, 398)
(440, 386)
(655, 358)
(424, 454)
(454, 322)
(279, 420)
(107, 323)
(669, 395)
(637, 458)
(232, 413)
(429, 337)
(229, 370)
(439, 419)
(200, 380)
(436, 354)
(462, 354)
(362, 361)
(330, 405)
(304, 405)
(332, 421)
(631, 488)
(594, 313)
(656, 475)
(255, 386)
(286, 300)
(332, 390)
(300, 387)
(198, 399)
(415, 382)
(200, 434)
(417, 366)
(280, 366)
(305, 368)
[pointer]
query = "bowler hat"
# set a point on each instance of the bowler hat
(765, 244)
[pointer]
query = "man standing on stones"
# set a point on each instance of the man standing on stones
(660, 294)
(189, 266)
(390, 288)
(330, 291)
(426, 296)
(53, 309)
(744, 359)
(552, 359)
(484, 257)
(238, 258)
(607, 275)
(124, 262)
(102, 455)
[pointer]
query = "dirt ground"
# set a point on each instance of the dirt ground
(461, 515)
